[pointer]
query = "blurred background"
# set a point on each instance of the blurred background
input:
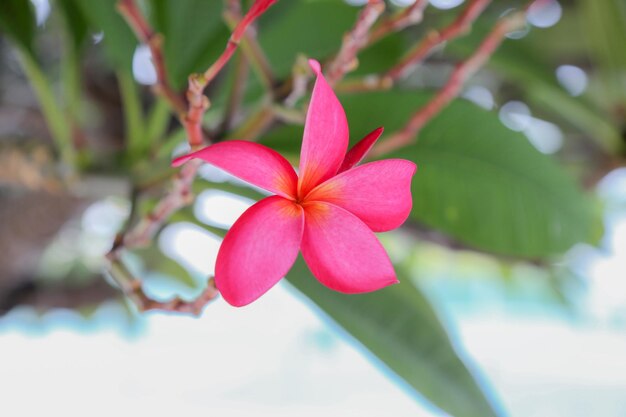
(513, 262)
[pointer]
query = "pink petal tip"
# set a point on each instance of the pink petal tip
(315, 66)
(360, 149)
(181, 160)
(325, 138)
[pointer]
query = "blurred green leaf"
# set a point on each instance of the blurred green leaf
(604, 24)
(314, 28)
(76, 30)
(519, 61)
(398, 325)
(18, 21)
(379, 57)
(194, 35)
(477, 181)
(119, 40)
(75, 22)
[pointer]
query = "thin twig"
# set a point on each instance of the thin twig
(179, 196)
(198, 104)
(259, 7)
(253, 51)
(134, 18)
(411, 15)
(142, 234)
(372, 82)
(460, 26)
(133, 289)
(300, 75)
(455, 83)
(354, 41)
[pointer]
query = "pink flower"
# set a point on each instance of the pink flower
(330, 211)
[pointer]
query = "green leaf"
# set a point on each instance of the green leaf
(18, 21)
(119, 40)
(75, 22)
(490, 188)
(477, 181)
(398, 325)
(604, 24)
(194, 35)
(521, 61)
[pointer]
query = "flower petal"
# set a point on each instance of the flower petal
(258, 250)
(360, 149)
(251, 162)
(326, 135)
(378, 193)
(342, 252)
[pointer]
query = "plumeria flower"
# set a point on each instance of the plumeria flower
(329, 211)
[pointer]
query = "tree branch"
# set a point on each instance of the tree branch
(134, 18)
(133, 289)
(455, 83)
(198, 103)
(180, 196)
(250, 46)
(191, 115)
(460, 26)
(354, 41)
(411, 15)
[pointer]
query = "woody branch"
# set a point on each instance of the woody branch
(460, 26)
(411, 15)
(354, 41)
(454, 85)
(132, 14)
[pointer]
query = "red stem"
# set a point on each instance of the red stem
(134, 18)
